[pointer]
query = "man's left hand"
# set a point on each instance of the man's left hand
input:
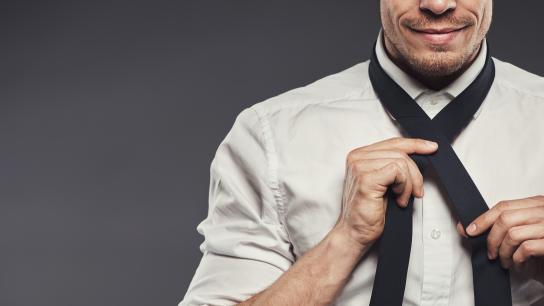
(516, 236)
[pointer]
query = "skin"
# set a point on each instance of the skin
(434, 64)
(516, 234)
(319, 275)
(516, 226)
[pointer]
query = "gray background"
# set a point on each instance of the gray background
(110, 114)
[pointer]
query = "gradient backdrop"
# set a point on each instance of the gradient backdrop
(111, 112)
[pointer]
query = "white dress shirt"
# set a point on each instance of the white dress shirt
(276, 183)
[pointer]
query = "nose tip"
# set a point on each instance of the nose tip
(438, 7)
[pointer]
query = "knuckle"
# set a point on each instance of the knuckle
(527, 248)
(356, 167)
(402, 163)
(502, 205)
(395, 167)
(505, 218)
(350, 158)
(512, 236)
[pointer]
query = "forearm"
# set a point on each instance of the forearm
(317, 277)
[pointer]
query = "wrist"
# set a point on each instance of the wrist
(343, 237)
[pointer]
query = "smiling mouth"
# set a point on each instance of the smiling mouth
(438, 30)
(438, 36)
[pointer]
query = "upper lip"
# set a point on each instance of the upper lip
(438, 30)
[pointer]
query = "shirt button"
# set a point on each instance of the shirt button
(435, 234)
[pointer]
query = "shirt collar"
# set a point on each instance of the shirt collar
(414, 88)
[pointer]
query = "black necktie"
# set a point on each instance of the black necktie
(491, 282)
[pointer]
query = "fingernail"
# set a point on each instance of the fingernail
(471, 229)
(431, 144)
(489, 255)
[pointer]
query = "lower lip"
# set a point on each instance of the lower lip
(439, 38)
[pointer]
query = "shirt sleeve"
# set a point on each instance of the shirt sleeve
(245, 248)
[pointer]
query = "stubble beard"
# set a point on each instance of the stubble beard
(438, 63)
(441, 62)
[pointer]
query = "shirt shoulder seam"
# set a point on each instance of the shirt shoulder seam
(347, 96)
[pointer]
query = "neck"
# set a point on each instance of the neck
(434, 82)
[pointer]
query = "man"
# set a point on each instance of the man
(299, 186)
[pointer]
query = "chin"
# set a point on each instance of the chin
(437, 63)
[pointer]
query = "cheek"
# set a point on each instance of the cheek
(386, 16)
(391, 10)
(481, 10)
(487, 15)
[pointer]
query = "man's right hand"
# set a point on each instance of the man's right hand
(369, 172)
(317, 277)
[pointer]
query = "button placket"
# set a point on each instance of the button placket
(437, 261)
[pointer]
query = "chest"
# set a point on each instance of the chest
(503, 155)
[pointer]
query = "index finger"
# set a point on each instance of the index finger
(406, 145)
(487, 219)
